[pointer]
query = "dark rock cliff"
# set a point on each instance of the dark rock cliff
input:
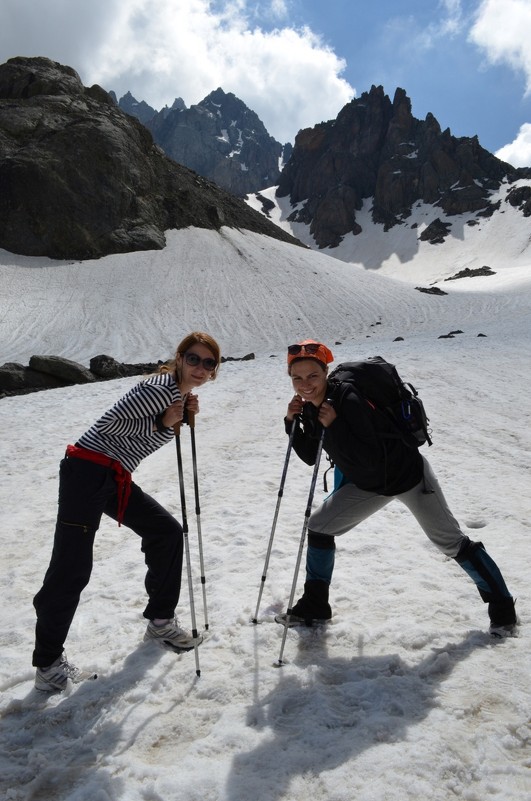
(79, 178)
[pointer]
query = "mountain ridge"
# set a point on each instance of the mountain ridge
(81, 178)
(376, 151)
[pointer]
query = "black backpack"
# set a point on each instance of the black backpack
(378, 382)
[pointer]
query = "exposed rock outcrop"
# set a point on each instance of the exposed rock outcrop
(435, 232)
(520, 198)
(471, 273)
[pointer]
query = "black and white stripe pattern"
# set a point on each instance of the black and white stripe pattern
(126, 431)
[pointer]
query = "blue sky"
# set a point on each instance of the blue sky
(297, 62)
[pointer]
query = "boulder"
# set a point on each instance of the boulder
(431, 290)
(106, 367)
(62, 369)
(15, 378)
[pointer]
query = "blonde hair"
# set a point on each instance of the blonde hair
(195, 338)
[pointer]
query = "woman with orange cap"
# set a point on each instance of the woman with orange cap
(374, 471)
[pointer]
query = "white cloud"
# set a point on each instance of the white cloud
(162, 49)
(502, 29)
(518, 153)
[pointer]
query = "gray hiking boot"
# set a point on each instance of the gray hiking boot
(54, 678)
(171, 636)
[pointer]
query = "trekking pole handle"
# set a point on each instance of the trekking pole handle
(190, 419)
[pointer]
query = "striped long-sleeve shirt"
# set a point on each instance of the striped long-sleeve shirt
(126, 431)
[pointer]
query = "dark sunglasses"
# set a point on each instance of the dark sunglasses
(193, 359)
(311, 347)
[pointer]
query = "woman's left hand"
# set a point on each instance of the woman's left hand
(327, 414)
(192, 403)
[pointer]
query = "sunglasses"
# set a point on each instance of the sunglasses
(193, 359)
(311, 348)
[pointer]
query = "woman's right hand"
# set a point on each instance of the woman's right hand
(294, 407)
(173, 414)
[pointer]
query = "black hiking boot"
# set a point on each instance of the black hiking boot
(312, 609)
(503, 620)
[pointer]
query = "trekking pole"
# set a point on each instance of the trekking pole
(301, 546)
(177, 430)
(275, 516)
(191, 423)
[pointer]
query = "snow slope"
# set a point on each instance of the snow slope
(251, 292)
(403, 695)
(500, 241)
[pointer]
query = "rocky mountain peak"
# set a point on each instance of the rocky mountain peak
(233, 113)
(221, 139)
(377, 149)
(139, 109)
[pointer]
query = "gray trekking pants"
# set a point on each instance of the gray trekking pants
(349, 505)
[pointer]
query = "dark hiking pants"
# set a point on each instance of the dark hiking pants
(86, 491)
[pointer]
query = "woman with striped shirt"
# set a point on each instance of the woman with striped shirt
(95, 479)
